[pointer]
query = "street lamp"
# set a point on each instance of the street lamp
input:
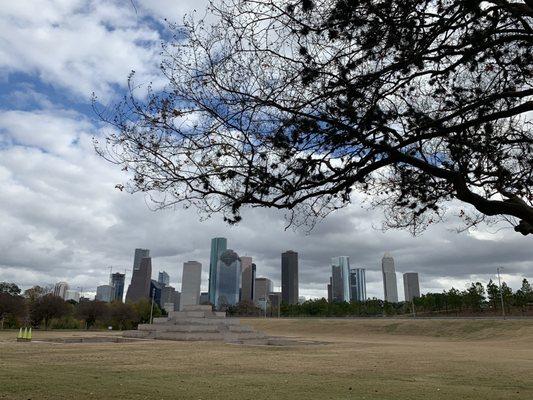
(501, 292)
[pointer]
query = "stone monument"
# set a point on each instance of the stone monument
(196, 322)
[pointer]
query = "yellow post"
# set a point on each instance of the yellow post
(19, 336)
(25, 334)
(29, 335)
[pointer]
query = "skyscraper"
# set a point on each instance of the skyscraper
(411, 285)
(340, 282)
(139, 255)
(330, 295)
(248, 279)
(228, 279)
(390, 288)
(289, 277)
(163, 278)
(141, 278)
(218, 246)
(191, 280)
(169, 298)
(60, 289)
(263, 286)
(357, 284)
(117, 281)
(105, 293)
(73, 295)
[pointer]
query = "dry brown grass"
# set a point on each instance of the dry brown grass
(365, 359)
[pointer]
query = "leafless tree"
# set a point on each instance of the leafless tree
(297, 104)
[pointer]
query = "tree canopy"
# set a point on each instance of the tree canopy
(299, 104)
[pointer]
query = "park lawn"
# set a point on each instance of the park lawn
(363, 359)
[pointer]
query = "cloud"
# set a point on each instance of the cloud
(79, 46)
(61, 217)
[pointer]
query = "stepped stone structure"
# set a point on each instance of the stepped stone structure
(196, 322)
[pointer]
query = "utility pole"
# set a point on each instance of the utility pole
(152, 309)
(501, 293)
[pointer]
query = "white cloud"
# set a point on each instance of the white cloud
(81, 46)
(62, 219)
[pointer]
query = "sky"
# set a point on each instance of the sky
(61, 218)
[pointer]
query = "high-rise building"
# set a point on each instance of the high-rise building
(60, 289)
(156, 291)
(139, 255)
(275, 299)
(73, 295)
(163, 278)
(204, 298)
(218, 246)
(228, 279)
(330, 294)
(141, 279)
(411, 285)
(117, 281)
(263, 286)
(191, 280)
(105, 293)
(340, 278)
(357, 284)
(390, 287)
(169, 298)
(248, 279)
(289, 277)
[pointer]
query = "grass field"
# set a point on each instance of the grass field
(363, 359)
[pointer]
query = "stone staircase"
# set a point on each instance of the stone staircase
(195, 322)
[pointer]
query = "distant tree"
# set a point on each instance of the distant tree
(142, 308)
(12, 307)
(493, 294)
(46, 307)
(91, 311)
(298, 104)
(526, 289)
(35, 292)
(523, 296)
(122, 315)
(454, 299)
(9, 288)
(245, 308)
(507, 294)
(475, 296)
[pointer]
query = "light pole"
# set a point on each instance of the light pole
(152, 308)
(501, 292)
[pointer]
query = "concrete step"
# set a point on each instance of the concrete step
(182, 328)
(161, 320)
(197, 307)
(204, 321)
(188, 336)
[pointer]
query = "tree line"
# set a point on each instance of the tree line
(476, 299)
(39, 308)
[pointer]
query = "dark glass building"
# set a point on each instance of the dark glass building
(289, 277)
(248, 279)
(118, 281)
(141, 278)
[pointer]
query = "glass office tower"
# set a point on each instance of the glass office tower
(228, 279)
(340, 274)
(218, 246)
